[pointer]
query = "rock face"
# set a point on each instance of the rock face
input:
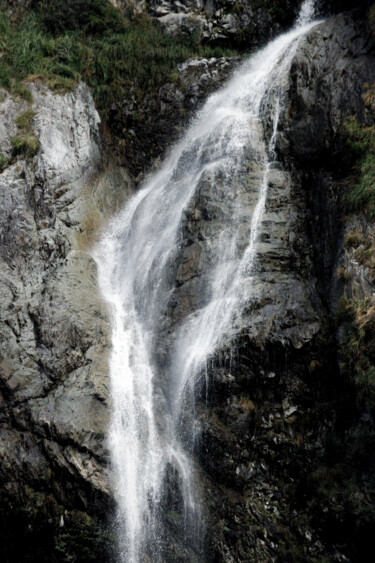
(243, 24)
(226, 22)
(54, 325)
(266, 432)
(151, 124)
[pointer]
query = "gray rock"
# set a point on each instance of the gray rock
(54, 325)
(326, 83)
(245, 24)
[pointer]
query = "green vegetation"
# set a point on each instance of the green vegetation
(25, 145)
(358, 354)
(361, 140)
(23, 121)
(342, 481)
(21, 90)
(90, 40)
(363, 245)
(3, 161)
(83, 540)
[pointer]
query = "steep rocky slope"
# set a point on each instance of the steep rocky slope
(54, 326)
(278, 407)
(277, 399)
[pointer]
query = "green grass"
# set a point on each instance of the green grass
(357, 317)
(26, 145)
(3, 161)
(361, 140)
(109, 51)
(24, 120)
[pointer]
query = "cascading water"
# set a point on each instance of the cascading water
(156, 365)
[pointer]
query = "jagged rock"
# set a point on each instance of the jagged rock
(151, 124)
(287, 328)
(227, 22)
(186, 23)
(326, 83)
(54, 324)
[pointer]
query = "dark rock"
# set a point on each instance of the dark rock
(159, 120)
(264, 432)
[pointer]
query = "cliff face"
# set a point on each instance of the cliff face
(54, 325)
(277, 408)
(276, 399)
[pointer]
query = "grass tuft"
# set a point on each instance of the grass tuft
(3, 161)
(361, 141)
(27, 145)
(22, 91)
(246, 405)
(24, 120)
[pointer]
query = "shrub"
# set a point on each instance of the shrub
(60, 16)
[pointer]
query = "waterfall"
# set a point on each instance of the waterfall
(157, 363)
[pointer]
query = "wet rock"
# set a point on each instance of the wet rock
(326, 82)
(286, 329)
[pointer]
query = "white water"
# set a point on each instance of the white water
(135, 259)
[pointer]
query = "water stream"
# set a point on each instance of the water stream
(156, 365)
